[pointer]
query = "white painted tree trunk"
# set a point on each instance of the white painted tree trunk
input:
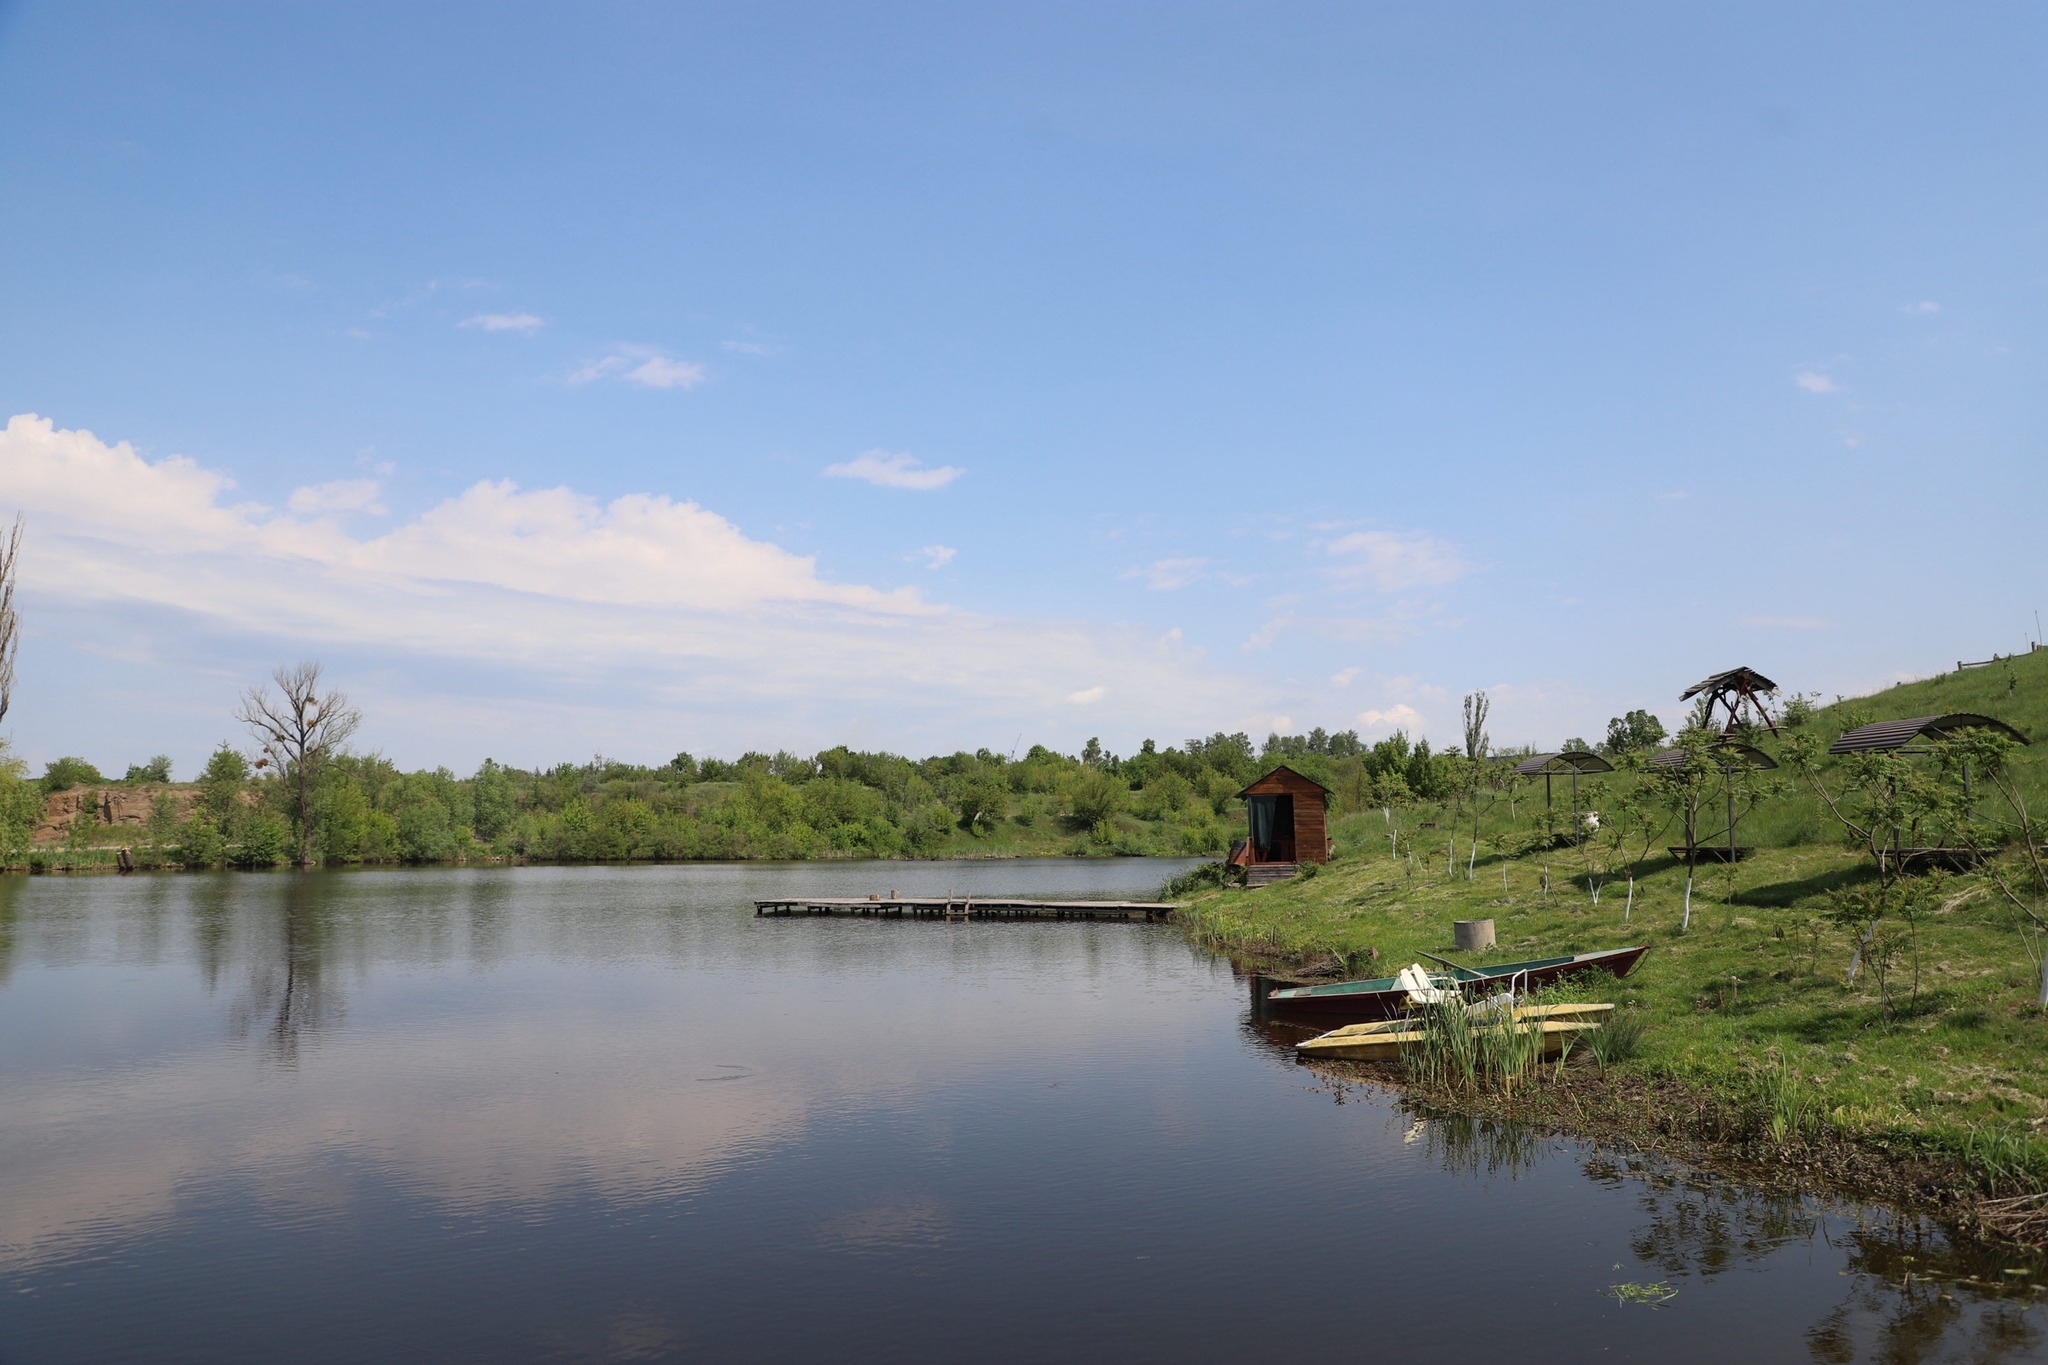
(1686, 922)
(1628, 909)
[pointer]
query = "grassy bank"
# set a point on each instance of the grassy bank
(1935, 1050)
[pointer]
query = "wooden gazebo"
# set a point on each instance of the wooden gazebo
(1287, 822)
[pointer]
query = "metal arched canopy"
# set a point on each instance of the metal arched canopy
(1570, 761)
(1887, 735)
(1730, 755)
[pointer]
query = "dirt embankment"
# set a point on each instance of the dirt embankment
(110, 807)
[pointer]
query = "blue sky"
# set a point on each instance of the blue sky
(1182, 367)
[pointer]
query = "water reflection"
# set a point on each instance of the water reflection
(606, 1113)
(1916, 1293)
(291, 991)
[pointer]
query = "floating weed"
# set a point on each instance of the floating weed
(1650, 1295)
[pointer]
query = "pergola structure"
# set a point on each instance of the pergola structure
(1740, 692)
(1731, 758)
(1918, 735)
(1571, 762)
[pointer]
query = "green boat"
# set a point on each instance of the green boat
(1384, 997)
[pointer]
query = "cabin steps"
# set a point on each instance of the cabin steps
(1265, 874)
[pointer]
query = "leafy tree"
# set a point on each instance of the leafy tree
(982, 799)
(21, 805)
(1476, 738)
(1636, 732)
(494, 800)
(220, 785)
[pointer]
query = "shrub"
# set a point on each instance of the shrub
(66, 773)
(158, 769)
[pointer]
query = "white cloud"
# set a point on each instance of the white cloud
(885, 469)
(1166, 575)
(526, 324)
(633, 611)
(1397, 717)
(938, 556)
(643, 366)
(1395, 561)
(751, 348)
(342, 495)
(1346, 677)
(1923, 308)
(1813, 381)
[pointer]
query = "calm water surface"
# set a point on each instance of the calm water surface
(606, 1114)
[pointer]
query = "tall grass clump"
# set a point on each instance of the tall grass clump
(1617, 1040)
(1783, 1099)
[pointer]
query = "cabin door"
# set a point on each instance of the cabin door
(1272, 827)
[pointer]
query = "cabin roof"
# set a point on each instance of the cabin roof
(1284, 778)
(1734, 677)
(1570, 761)
(1728, 755)
(1884, 735)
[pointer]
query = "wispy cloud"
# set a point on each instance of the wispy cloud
(1395, 561)
(643, 366)
(886, 469)
(938, 556)
(1345, 677)
(1813, 381)
(526, 324)
(342, 495)
(1087, 696)
(1922, 308)
(755, 349)
(1166, 575)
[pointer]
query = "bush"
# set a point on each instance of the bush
(158, 769)
(265, 841)
(200, 843)
(66, 773)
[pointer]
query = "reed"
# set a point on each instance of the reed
(1617, 1040)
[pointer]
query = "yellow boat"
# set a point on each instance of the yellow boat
(1382, 1039)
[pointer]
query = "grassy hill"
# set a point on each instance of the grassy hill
(1751, 983)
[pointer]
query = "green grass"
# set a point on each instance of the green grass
(1751, 998)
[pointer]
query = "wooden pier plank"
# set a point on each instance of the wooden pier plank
(962, 907)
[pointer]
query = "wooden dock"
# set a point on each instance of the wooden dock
(963, 908)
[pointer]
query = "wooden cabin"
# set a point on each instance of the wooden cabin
(1287, 821)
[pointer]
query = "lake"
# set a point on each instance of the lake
(570, 1114)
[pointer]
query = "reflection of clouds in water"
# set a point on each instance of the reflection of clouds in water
(913, 1226)
(598, 1039)
(469, 1116)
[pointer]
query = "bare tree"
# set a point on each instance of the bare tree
(10, 632)
(298, 730)
(1477, 741)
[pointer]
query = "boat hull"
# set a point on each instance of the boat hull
(1344, 1002)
